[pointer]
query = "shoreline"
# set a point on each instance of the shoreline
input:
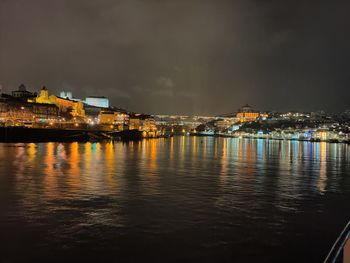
(270, 138)
(18, 134)
(14, 134)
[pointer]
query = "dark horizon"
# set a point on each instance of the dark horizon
(185, 57)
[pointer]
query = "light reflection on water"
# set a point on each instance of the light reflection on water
(219, 194)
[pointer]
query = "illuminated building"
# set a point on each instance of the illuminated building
(325, 135)
(66, 95)
(113, 118)
(74, 108)
(134, 123)
(247, 114)
(43, 97)
(148, 124)
(106, 117)
(145, 123)
(14, 111)
(93, 105)
(102, 102)
(96, 101)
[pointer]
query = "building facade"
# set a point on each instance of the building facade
(101, 102)
(144, 123)
(17, 112)
(120, 119)
(23, 93)
(65, 105)
(247, 114)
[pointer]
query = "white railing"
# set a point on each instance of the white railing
(341, 246)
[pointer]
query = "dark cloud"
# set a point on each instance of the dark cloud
(193, 56)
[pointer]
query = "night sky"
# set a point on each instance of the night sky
(181, 56)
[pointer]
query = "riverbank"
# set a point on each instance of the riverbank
(24, 134)
(272, 137)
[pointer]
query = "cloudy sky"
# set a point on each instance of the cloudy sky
(181, 56)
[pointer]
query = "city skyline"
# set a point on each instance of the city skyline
(193, 57)
(103, 101)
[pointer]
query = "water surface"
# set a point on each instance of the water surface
(178, 199)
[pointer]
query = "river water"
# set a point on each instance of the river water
(182, 199)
